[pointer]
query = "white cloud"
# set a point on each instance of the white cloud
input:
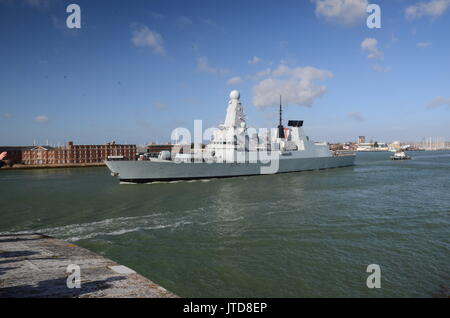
(6, 115)
(439, 101)
(296, 85)
(254, 60)
(355, 116)
(281, 70)
(184, 21)
(203, 66)
(41, 119)
(213, 24)
(369, 45)
(142, 36)
(261, 74)
(235, 80)
(433, 9)
(341, 11)
(423, 44)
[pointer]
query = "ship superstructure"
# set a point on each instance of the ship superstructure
(237, 150)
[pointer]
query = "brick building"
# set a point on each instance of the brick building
(14, 153)
(77, 153)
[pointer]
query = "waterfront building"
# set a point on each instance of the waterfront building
(72, 154)
(372, 146)
(14, 153)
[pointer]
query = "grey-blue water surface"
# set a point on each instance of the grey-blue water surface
(307, 234)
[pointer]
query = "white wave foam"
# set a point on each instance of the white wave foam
(107, 227)
(123, 231)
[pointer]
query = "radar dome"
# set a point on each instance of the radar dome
(235, 94)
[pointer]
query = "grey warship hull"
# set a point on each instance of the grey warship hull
(151, 171)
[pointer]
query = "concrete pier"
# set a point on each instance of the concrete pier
(35, 265)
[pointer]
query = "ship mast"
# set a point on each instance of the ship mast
(280, 126)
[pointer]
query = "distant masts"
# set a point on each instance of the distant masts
(280, 126)
(281, 112)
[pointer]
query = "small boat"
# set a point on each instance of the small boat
(400, 155)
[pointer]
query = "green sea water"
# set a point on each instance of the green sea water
(307, 234)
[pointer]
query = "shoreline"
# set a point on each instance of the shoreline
(47, 267)
(54, 166)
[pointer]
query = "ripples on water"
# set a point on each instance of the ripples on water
(292, 235)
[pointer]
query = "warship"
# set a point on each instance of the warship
(234, 151)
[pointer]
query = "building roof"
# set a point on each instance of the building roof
(14, 148)
(41, 148)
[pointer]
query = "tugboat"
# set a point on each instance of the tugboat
(400, 155)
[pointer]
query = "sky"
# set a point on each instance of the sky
(136, 70)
